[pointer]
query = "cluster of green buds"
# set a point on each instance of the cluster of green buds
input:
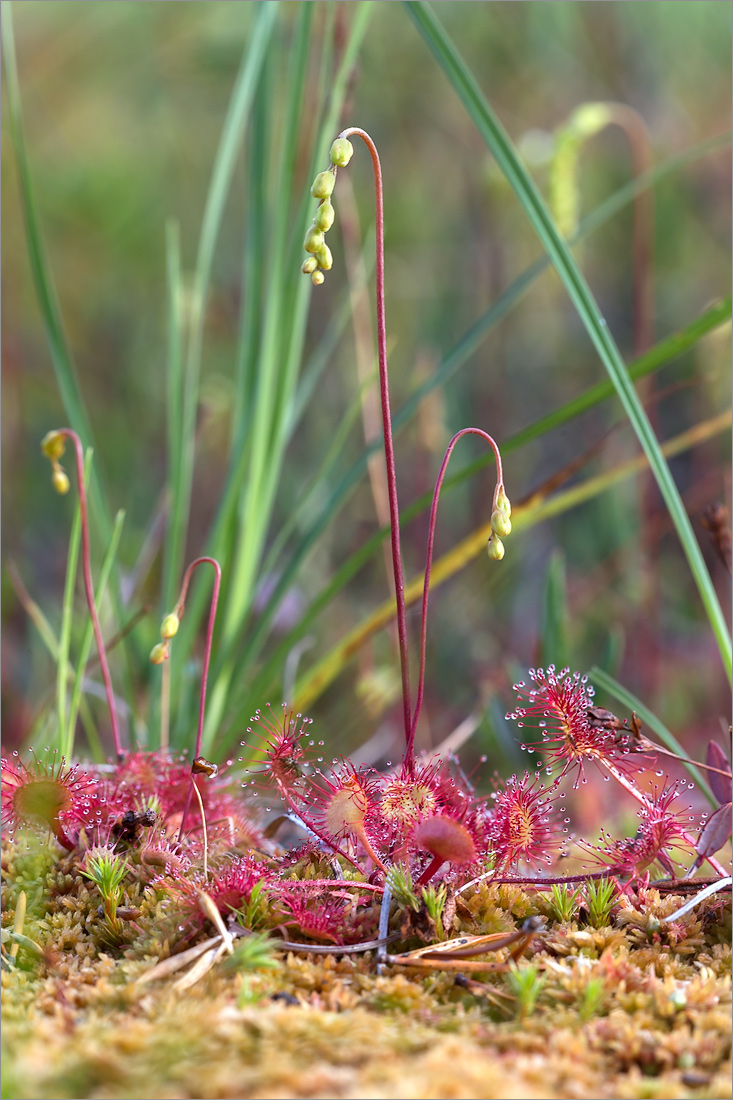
(501, 524)
(320, 258)
(168, 629)
(53, 446)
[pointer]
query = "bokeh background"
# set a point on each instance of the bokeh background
(123, 108)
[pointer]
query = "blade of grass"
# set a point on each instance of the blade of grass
(280, 354)
(579, 292)
(554, 627)
(317, 679)
(67, 608)
(67, 613)
(229, 146)
(61, 357)
(622, 695)
(34, 612)
(87, 639)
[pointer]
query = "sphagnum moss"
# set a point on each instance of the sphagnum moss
(634, 1008)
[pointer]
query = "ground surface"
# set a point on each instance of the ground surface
(637, 1008)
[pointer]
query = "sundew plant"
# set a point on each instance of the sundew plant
(183, 776)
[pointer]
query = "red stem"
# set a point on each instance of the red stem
(394, 512)
(179, 609)
(67, 433)
(409, 753)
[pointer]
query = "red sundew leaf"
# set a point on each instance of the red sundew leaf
(719, 784)
(716, 832)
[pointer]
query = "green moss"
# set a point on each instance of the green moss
(636, 1007)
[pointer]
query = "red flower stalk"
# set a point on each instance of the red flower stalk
(47, 793)
(498, 496)
(53, 446)
(170, 623)
(394, 512)
(522, 826)
(558, 707)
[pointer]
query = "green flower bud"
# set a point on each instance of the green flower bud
(324, 257)
(60, 481)
(53, 445)
(323, 185)
(317, 278)
(159, 653)
(309, 265)
(324, 216)
(341, 152)
(500, 523)
(313, 239)
(495, 548)
(169, 626)
(503, 502)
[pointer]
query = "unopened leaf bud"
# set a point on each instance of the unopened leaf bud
(503, 502)
(53, 445)
(341, 152)
(159, 653)
(500, 523)
(313, 239)
(325, 215)
(495, 548)
(324, 257)
(169, 626)
(317, 278)
(309, 265)
(323, 185)
(60, 481)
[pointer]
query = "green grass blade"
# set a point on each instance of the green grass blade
(229, 147)
(557, 249)
(67, 611)
(174, 361)
(617, 691)
(67, 614)
(48, 303)
(555, 621)
(278, 364)
(86, 643)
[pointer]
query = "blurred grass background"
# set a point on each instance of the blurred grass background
(123, 108)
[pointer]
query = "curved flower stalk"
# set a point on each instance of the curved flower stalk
(53, 446)
(318, 262)
(501, 526)
(161, 652)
